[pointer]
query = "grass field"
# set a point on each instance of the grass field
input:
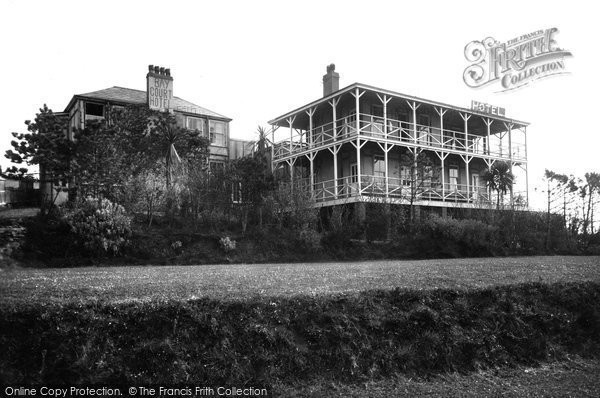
(239, 281)
(578, 378)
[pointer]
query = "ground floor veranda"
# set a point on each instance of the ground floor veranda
(449, 180)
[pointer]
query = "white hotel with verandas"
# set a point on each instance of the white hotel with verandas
(347, 146)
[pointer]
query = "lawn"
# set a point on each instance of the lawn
(578, 378)
(239, 281)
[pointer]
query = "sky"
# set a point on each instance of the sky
(255, 60)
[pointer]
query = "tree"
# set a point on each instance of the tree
(254, 179)
(100, 166)
(46, 145)
(592, 186)
(500, 179)
(422, 174)
(149, 136)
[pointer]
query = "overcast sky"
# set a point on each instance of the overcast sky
(255, 60)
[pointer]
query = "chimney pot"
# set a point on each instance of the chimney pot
(162, 70)
(157, 70)
(168, 72)
(150, 68)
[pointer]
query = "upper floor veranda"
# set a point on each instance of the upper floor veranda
(361, 112)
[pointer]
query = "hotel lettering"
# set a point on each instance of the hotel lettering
(160, 93)
(160, 88)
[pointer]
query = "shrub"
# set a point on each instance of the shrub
(227, 244)
(309, 239)
(100, 226)
(452, 237)
(48, 236)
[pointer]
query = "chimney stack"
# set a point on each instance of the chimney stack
(331, 81)
(159, 88)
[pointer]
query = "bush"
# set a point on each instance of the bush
(100, 226)
(227, 244)
(363, 336)
(48, 236)
(452, 237)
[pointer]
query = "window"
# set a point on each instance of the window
(216, 166)
(453, 173)
(427, 176)
(379, 169)
(195, 123)
(423, 129)
(217, 133)
(353, 173)
(92, 109)
(405, 176)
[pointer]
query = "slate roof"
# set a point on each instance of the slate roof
(132, 96)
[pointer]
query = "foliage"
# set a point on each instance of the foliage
(454, 237)
(499, 178)
(227, 244)
(252, 177)
(99, 166)
(423, 173)
(292, 209)
(47, 145)
(100, 226)
(268, 340)
(48, 237)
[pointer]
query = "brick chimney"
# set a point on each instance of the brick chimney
(159, 88)
(331, 81)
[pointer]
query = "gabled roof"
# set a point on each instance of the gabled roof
(124, 95)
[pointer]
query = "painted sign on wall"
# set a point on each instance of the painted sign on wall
(160, 92)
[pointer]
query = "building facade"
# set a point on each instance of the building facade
(158, 96)
(97, 105)
(349, 146)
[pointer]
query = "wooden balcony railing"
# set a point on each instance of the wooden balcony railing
(397, 189)
(370, 126)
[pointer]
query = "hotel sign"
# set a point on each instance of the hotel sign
(487, 108)
(159, 89)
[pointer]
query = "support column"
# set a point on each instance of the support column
(509, 126)
(526, 167)
(488, 122)
(387, 175)
(290, 121)
(273, 128)
(386, 147)
(467, 159)
(333, 103)
(357, 94)
(441, 112)
(334, 151)
(311, 158)
(384, 100)
(310, 135)
(443, 157)
(414, 106)
(466, 118)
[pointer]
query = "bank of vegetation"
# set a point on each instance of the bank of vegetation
(274, 340)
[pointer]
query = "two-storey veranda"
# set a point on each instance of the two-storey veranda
(348, 147)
